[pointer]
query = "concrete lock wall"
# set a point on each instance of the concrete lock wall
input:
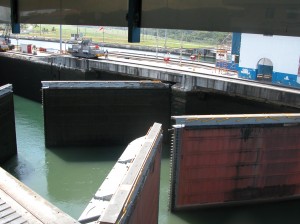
(101, 113)
(200, 94)
(130, 192)
(228, 159)
(186, 82)
(26, 75)
(8, 144)
(203, 102)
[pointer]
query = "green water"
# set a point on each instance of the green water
(68, 177)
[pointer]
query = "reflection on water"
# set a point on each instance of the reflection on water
(74, 175)
(68, 177)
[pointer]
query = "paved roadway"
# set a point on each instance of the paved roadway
(206, 68)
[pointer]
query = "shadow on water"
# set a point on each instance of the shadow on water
(74, 174)
(17, 167)
(265, 213)
(89, 154)
(165, 151)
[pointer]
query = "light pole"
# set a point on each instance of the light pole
(156, 43)
(102, 28)
(60, 38)
(181, 47)
(165, 38)
(17, 37)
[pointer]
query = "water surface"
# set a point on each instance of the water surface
(68, 177)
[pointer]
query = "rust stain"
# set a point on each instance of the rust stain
(246, 133)
(251, 193)
(246, 163)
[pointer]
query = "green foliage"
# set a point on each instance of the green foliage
(208, 37)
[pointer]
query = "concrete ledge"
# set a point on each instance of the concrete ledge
(5, 89)
(28, 205)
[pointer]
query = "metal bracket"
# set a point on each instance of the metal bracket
(15, 25)
(134, 20)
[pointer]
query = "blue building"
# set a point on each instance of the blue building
(267, 58)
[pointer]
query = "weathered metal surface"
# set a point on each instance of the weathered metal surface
(103, 84)
(236, 119)
(8, 143)
(106, 115)
(19, 204)
(235, 163)
(130, 193)
(146, 206)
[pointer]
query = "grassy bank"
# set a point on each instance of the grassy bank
(116, 35)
